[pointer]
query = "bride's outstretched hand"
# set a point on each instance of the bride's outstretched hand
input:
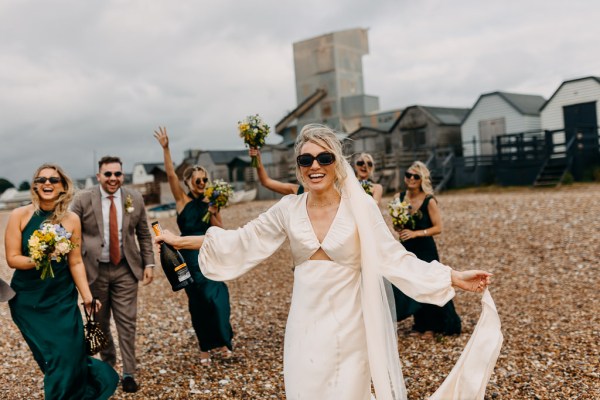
(472, 280)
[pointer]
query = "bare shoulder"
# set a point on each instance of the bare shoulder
(19, 217)
(70, 216)
(22, 212)
(70, 221)
(433, 204)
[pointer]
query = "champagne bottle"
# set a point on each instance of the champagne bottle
(173, 264)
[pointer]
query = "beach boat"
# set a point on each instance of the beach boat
(241, 196)
(162, 211)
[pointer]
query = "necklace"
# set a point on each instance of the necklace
(321, 204)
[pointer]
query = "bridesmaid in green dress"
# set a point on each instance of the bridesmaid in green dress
(428, 318)
(208, 300)
(46, 310)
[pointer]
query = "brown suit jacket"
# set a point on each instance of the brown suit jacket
(88, 205)
(6, 292)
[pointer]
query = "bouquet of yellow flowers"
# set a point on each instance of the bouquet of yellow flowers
(400, 212)
(367, 186)
(49, 243)
(254, 131)
(218, 193)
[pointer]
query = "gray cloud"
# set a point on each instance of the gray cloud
(97, 77)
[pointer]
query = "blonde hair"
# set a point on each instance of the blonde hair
(61, 206)
(422, 170)
(367, 157)
(189, 172)
(325, 137)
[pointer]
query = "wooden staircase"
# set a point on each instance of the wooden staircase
(558, 161)
(552, 172)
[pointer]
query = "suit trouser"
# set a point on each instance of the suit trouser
(117, 288)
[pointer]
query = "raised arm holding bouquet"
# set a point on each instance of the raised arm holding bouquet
(254, 131)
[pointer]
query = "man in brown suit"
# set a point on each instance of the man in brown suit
(112, 217)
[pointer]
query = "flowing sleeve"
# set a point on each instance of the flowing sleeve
(425, 282)
(228, 254)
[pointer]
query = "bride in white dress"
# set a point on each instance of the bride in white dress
(340, 336)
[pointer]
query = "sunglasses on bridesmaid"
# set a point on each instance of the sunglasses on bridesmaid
(408, 175)
(361, 163)
(42, 179)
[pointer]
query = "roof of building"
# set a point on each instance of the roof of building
(367, 131)
(447, 115)
(245, 159)
(225, 156)
(525, 104)
(595, 78)
(443, 115)
(148, 167)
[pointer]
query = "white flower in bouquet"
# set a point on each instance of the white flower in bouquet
(400, 213)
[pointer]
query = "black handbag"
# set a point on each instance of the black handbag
(95, 340)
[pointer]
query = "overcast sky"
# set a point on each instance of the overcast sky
(82, 79)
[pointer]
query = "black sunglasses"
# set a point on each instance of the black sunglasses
(42, 179)
(361, 163)
(408, 175)
(306, 160)
(198, 180)
(108, 174)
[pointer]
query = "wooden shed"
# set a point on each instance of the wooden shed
(495, 114)
(424, 127)
(570, 118)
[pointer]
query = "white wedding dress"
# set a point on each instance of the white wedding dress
(326, 351)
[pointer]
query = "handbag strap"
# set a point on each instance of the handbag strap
(91, 316)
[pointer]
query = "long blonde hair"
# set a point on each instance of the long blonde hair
(422, 170)
(325, 137)
(61, 205)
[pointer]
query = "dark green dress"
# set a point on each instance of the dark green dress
(47, 313)
(428, 317)
(208, 300)
(300, 190)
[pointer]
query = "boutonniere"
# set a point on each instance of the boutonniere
(129, 204)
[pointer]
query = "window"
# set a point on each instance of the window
(412, 139)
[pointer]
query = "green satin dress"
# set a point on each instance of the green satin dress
(47, 313)
(428, 317)
(208, 301)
